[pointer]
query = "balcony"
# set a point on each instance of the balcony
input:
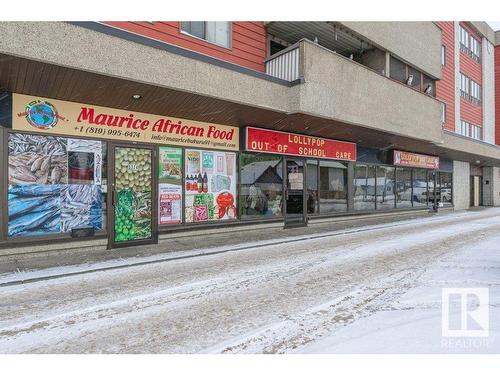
(337, 87)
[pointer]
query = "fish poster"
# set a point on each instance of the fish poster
(34, 209)
(37, 160)
(81, 206)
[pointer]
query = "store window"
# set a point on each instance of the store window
(261, 185)
(446, 191)
(419, 196)
(55, 184)
(170, 185)
(364, 187)
(214, 32)
(403, 188)
(312, 186)
(333, 187)
(210, 181)
(385, 188)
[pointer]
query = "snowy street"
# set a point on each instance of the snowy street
(371, 291)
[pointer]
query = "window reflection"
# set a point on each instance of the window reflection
(261, 185)
(385, 188)
(333, 187)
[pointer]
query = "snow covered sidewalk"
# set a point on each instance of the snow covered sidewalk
(375, 290)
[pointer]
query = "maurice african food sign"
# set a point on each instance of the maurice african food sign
(57, 117)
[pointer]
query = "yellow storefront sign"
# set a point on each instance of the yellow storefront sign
(57, 117)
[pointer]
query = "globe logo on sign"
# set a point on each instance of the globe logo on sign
(41, 114)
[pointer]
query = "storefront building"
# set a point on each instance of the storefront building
(80, 170)
(150, 139)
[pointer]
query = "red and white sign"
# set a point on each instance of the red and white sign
(409, 159)
(277, 142)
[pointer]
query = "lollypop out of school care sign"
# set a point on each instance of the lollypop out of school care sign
(278, 142)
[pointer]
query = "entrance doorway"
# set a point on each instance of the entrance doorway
(132, 194)
(476, 191)
(295, 203)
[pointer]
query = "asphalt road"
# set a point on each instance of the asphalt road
(276, 298)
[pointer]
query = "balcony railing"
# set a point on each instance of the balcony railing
(285, 64)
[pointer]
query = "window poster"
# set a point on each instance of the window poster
(84, 162)
(170, 185)
(53, 184)
(210, 185)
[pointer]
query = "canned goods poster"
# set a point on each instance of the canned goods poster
(170, 185)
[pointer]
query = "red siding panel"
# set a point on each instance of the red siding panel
(248, 47)
(445, 88)
(497, 95)
(471, 112)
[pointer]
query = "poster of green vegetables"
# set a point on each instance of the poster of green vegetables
(133, 194)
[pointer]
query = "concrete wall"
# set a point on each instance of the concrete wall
(485, 30)
(417, 43)
(491, 186)
(488, 61)
(461, 185)
(376, 60)
(339, 88)
(76, 47)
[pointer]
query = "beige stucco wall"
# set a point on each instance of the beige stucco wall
(80, 48)
(339, 88)
(418, 43)
(461, 185)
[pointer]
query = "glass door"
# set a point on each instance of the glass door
(132, 196)
(294, 193)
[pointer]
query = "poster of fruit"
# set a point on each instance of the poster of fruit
(211, 191)
(133, 209)
(34, 209)
(37, 159)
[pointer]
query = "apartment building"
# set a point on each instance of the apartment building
(123, 133)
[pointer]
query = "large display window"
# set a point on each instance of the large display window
(210, 185)
(420, 193)
(403, 188)
(333, 187)
(55, 184)
(312, 186)
(364, 187)
(261, 185)
(386, 199)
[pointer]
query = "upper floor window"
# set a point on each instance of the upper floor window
(412, 77)
(469, 130)
(443, 113)
(475, 48)
(469, 44)
(470, 89)
(475, 92)
(443, 55)
(464, 38)
(213, 32)
(464, 86)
